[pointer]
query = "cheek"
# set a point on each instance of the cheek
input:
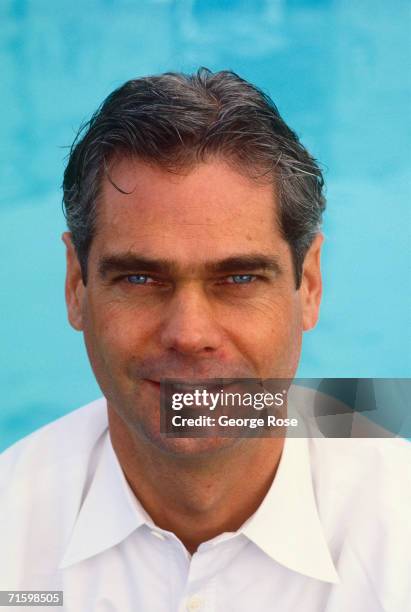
(113, 335)
(271, 335)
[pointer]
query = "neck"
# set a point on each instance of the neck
(197, 497)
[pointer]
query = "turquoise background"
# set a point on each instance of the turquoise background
(339, 72)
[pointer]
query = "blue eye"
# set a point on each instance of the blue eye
(243, 279)
(137, 279)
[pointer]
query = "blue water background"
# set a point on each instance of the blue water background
(339, 72)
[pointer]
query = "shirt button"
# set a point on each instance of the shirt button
(157, 535)
(194, 603)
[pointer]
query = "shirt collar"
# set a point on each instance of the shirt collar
(109, 513)
(286, 526)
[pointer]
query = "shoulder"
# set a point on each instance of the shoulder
(41, 455)
(68, 437)
(379, 465)
(43, 480)
(355, 474)
(363, 494)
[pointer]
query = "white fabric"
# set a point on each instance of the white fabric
(332, 535)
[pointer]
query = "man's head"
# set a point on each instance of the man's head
(176, 121)
(194, 249)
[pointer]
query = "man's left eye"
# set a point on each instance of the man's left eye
(242, 279)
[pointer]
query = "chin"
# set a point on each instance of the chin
(190, 447)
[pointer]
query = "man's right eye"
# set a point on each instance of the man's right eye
(138, 279)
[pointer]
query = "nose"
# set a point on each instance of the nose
(190, 325)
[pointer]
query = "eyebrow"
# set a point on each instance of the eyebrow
(126, 262)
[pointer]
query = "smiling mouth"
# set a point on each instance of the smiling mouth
(183, 387)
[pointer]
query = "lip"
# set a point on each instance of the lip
(153, 383)
(176, 386)
(187, 388)
(190, 387)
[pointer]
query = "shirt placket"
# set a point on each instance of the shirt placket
(199, 594)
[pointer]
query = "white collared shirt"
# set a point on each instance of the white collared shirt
(332, 534)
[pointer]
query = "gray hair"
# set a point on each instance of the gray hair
(176, 121)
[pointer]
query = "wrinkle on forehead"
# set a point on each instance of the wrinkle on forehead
(196, 216)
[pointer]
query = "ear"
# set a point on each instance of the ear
(311, 284)
(74, 288)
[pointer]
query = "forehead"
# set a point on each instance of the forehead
(206, 210)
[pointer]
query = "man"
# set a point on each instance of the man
(194, 253)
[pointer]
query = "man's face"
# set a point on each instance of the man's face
(188, 277)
